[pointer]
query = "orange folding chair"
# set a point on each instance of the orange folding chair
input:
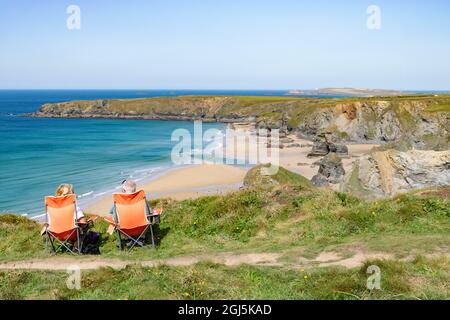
(61, 226)
(133, 218)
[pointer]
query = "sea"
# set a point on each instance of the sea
(95, 155)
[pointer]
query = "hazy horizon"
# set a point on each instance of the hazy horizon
(214, 89)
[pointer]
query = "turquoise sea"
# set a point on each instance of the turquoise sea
(95, 155)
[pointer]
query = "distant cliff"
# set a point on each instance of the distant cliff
(420, 121)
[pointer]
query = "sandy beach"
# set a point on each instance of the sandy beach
(296, 159)
(209, 179)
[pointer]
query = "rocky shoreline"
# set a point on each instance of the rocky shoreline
(400, 125)
(127, 117)
(420, 121)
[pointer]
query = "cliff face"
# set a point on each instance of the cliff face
(418, 121)
(408, 121)
(387, 173)
(186, 108)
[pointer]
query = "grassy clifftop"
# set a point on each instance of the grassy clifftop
(418, 119)
(226, 107)
(287, 217)
(270, 216)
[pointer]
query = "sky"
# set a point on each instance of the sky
(224, 44)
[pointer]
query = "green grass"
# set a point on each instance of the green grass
(444, 107)
(419, 279)
(297, 107)
(287, 216)
(285, 213)
(256, 177)
(19, 237)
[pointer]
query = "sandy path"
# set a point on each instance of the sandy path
(324, 259)
(61, 264)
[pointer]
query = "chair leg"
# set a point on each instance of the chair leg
(78, 242)
(153, 238)
(119, 239)
(52, 243)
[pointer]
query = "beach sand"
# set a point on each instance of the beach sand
(210, 179)
(184, 183)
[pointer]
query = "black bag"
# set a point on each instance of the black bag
(90, 243)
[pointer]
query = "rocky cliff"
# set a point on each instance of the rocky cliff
(421, 122)
(382, 121)
(387, 173)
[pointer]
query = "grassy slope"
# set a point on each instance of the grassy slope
(442, 107)
(283, 214)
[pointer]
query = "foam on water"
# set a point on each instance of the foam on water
(95, 155)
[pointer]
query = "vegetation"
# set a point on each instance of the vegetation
(443, 107)
(419, 279)
(285, 215)
(285, 212)
(213, 108)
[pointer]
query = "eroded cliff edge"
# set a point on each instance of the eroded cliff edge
(419, 121)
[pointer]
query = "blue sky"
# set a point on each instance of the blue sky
(224, 44)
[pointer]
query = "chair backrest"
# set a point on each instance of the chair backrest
(61, 213)
(131, 209)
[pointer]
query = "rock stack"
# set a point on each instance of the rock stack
(331, 170)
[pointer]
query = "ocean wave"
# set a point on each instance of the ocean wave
(147, 170)
(85, 194)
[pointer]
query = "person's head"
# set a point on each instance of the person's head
(128, 186)
(64, 190)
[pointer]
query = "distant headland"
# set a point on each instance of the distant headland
(353, 92)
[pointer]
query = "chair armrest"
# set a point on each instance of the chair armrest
(156, 212)
(112, 224)
(44, 229)
(110, 220)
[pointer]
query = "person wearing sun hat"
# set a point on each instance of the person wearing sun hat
(128, 187)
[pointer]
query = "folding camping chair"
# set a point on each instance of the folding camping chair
(133, 218)
(61, 226)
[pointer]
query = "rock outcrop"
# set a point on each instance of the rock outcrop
(378, 121)
(324, 144)
(331, 170)
(387, 173)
